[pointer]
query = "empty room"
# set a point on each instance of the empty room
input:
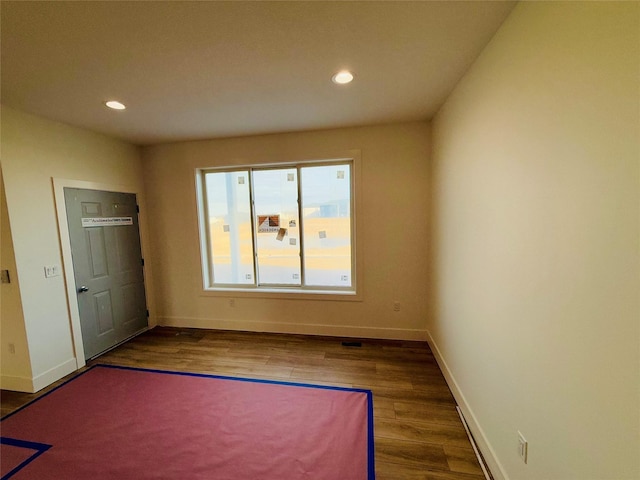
(323, 240)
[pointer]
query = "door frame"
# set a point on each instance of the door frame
(59, 184)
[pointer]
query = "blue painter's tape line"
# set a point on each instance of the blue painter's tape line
(45, 395)
(240, 379)
(39, 449)
(371, 449)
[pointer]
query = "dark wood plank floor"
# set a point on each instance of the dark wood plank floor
(418, 434)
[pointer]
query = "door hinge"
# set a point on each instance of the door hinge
(147, 313)
(142, 261)
(138, 208)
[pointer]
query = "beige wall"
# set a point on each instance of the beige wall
(34, 151)
(393, 232)
(536, 242)
(13, 338)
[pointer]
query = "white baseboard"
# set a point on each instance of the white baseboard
(54, 374)
(16, 384)
(296, 328)
(478, 433)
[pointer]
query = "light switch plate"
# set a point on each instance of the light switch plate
(523, 447)
(51, 271)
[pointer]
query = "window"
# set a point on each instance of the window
(285, 227)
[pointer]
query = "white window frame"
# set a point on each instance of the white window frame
(353, 293)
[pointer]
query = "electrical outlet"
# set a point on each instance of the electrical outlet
(232, 302)
(396, 306)
(12, 348)
(523, 447)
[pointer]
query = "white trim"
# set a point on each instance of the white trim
(283, 293)
(488, 452)
(54, 374)
(59, 184)
(295, 328)
(32, 385)
(487, 475)
(353, 293)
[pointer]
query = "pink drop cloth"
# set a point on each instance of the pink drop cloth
(124, 423)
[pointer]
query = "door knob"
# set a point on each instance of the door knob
(83, 289)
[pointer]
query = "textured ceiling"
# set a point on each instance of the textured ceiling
(191, 70)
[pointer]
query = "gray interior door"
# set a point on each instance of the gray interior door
(108, 266)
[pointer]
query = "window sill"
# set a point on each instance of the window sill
(284, 294)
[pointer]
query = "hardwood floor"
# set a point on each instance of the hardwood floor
(418, 434)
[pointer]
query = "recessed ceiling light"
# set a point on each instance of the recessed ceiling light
(342, 77)
(115, 105)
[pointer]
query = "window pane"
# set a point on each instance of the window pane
(275, 197)
(229, 217)
(326, 207)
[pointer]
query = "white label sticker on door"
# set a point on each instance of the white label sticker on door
(106, 221)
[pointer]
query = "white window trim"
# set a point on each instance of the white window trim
(355, 293)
